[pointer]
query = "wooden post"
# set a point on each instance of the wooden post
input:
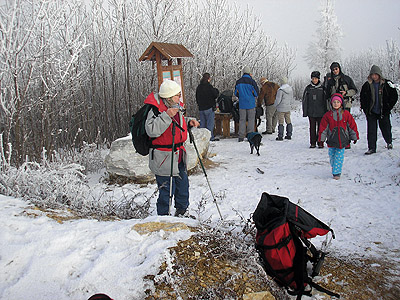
(164, 51)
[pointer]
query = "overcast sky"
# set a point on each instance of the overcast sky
(365, 23)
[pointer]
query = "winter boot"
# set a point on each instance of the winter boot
(280, 132)
(289, 131)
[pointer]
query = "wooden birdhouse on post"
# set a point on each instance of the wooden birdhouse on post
(161, 52)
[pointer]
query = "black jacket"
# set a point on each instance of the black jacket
(314, 102)
(387, 96)
(206, 95)
(345, 83)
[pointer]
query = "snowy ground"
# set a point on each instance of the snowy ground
(43, 259)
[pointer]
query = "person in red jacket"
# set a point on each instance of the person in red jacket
(338, 128)
(160, 128)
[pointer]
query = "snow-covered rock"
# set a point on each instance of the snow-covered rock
(123, 160)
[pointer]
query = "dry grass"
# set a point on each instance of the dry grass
(204, 267)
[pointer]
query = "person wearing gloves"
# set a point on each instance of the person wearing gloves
(246, 90)
(378, 96)
(159, 127)
(283, 100)
(314, 106)
(342, 84)
(338, 128)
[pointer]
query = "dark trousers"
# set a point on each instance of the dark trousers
(372, 129)
(207, 118)
(180, 191)
(314, 128)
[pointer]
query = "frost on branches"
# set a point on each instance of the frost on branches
(322, 52)
(62, 185)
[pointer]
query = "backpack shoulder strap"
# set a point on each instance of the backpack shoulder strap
(155, 110)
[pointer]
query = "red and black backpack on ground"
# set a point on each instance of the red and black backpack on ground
(283, 230)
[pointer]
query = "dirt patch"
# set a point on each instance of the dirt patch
(216, 265)
(206, 266)
(361, 279)
(60, 216)
(207, 163)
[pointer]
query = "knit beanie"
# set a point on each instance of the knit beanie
(246, 70)
(337, 96)
(335, 65)
(169, 88)
(315, 74)
(376, 70)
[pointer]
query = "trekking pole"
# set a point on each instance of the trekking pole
(172, 168)
(174, 125)
(204, 171)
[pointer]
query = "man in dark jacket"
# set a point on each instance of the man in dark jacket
(341, 83)
(314, 107)
(205, 98)
(378, 96)
(246, 90)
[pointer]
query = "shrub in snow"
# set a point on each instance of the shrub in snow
(90, 156)
(62, 185)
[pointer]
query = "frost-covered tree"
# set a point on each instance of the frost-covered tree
(386, 57)
(41, 43)
(70, 74)
(326, 49)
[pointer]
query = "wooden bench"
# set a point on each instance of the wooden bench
(222, 124)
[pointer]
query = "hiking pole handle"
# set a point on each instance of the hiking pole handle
(177, 125)
(191, 137)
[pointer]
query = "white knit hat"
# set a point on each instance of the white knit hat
(246, 70)
(169, 88)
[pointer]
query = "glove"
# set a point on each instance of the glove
(355, 141)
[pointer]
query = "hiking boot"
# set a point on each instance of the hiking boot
(289, 131)
(336, 176)
(312, 146)
(240, 140)
(390, 146)
(369, 152)
(266, 132)
(279, 138)
(183, 214)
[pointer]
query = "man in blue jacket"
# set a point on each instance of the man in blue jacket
(246, 90)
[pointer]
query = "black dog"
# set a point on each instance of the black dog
(254, 139)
